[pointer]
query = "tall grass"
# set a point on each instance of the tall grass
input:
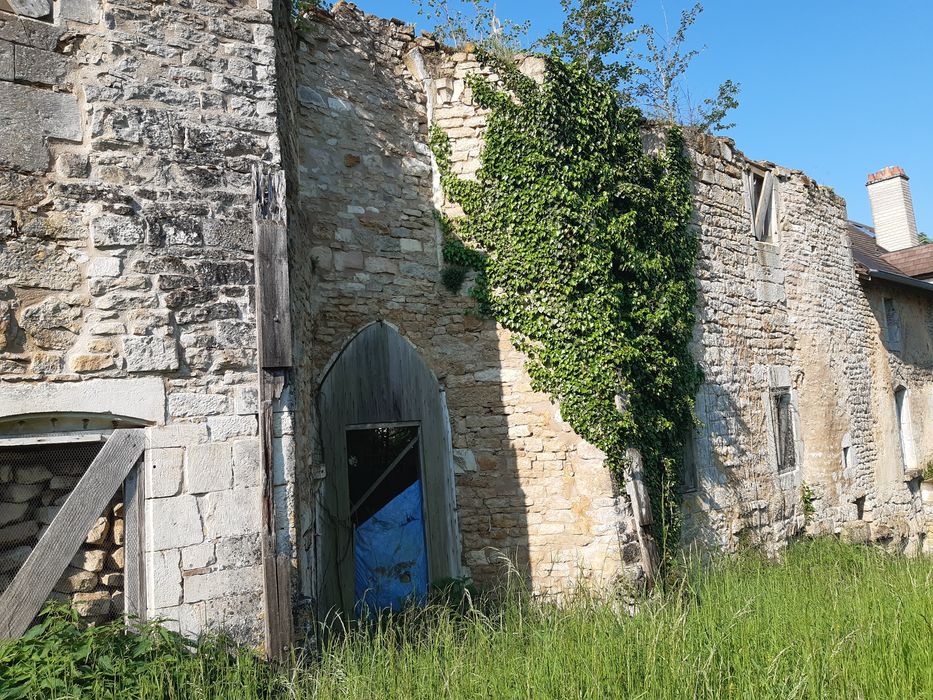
(829, 621)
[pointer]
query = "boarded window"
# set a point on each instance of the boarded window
(690, 464)
(760, 187)
(892, 326)
(783, 428)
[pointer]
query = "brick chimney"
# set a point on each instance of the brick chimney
(892, 209)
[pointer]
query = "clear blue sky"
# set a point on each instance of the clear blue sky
(835, 88)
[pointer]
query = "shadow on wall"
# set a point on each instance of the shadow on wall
(365, 248)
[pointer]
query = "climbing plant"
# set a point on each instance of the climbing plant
(588, 260)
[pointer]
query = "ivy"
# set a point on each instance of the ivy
(588, 261)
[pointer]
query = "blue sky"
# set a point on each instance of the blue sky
(836, 89)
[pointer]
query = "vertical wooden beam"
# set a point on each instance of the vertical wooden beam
(273, 332)
(637, 493)
(134, 588)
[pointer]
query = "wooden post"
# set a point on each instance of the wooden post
(274, 340)
(641, 514)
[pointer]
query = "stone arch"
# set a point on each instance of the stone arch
(379, 379)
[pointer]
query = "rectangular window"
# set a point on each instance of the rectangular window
(760, 185)
(892, 326)
(690, 464)
(902, 411)
(783, 427)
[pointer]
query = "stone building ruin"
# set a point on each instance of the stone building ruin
(166, 169)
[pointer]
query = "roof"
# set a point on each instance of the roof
(901, 267)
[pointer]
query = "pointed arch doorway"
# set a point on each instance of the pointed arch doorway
(387, 511)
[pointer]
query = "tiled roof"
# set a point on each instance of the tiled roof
(867, 252)
(916, 261)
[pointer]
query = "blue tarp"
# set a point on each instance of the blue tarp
(391, 560)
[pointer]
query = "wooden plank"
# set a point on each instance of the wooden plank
(763, 207)
(270, 233)
(60, 439)
(31, 586)
(641, 514)
(134, 570)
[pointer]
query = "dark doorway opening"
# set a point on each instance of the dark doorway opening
(387, 516)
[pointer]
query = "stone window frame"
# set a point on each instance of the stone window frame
(779, 385)
(24, 10)
(766, 229)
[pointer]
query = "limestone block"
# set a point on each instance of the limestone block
(166, 578)
(209, 468)
(464, 461)
(98, 533)
(225, 427)
(34, 474)
(90, 363)
(11, 512)
(63, 483)
(30, 262)
(164, 471)
(31, 8)
(237, 552)
(76, 580)
(230, 235)
(246, 400)
(140, 398)
(104, 266)
(84, 11)
(109, 231)
(92, 604)
(52, 324)
(177, 435)
(38, 66)
(233, 512)
(20, 493)
(90, 560)
(114, 580)
(176, 522)
(246, 465)
(226, 582)
(12, 559)
(150, 353)
(28, 117)
(198, 556)
(118, 531)
(196, 405)
(18, 533)
(117, 558)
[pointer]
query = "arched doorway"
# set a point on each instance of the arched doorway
(387, 511)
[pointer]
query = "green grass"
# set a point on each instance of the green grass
(829, 621)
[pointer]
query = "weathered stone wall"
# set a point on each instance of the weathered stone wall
(128, 132)
(527, 487)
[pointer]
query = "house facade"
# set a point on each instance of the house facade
(221, 231)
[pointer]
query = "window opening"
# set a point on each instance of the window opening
(35, 480)
(782, 418)
(690, 464)
(761, 190)
(892, 326)
(387, 517)
(902, 410)
(860, 507)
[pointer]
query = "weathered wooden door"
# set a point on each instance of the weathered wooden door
(379, 380)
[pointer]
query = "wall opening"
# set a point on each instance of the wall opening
(35, 480)
(892, 326)
(905, 437)
(783, 429)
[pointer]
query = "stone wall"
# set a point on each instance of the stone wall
(128, 132)
(527, 487)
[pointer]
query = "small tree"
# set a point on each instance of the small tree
(457, 22)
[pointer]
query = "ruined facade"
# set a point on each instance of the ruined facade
(131, 132)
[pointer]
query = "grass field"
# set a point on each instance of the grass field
(829, 621)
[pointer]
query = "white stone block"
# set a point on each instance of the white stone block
(164, 471)
(198, 556)
(226, 427)
(104, 267)
(137, 398)
(177, 435)
(209, 468)
(183, 405)
(246, 465)
(165, 580)
(150, 353)
(247, 401)
(226, 582)
(174, 522)
(231, 513)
